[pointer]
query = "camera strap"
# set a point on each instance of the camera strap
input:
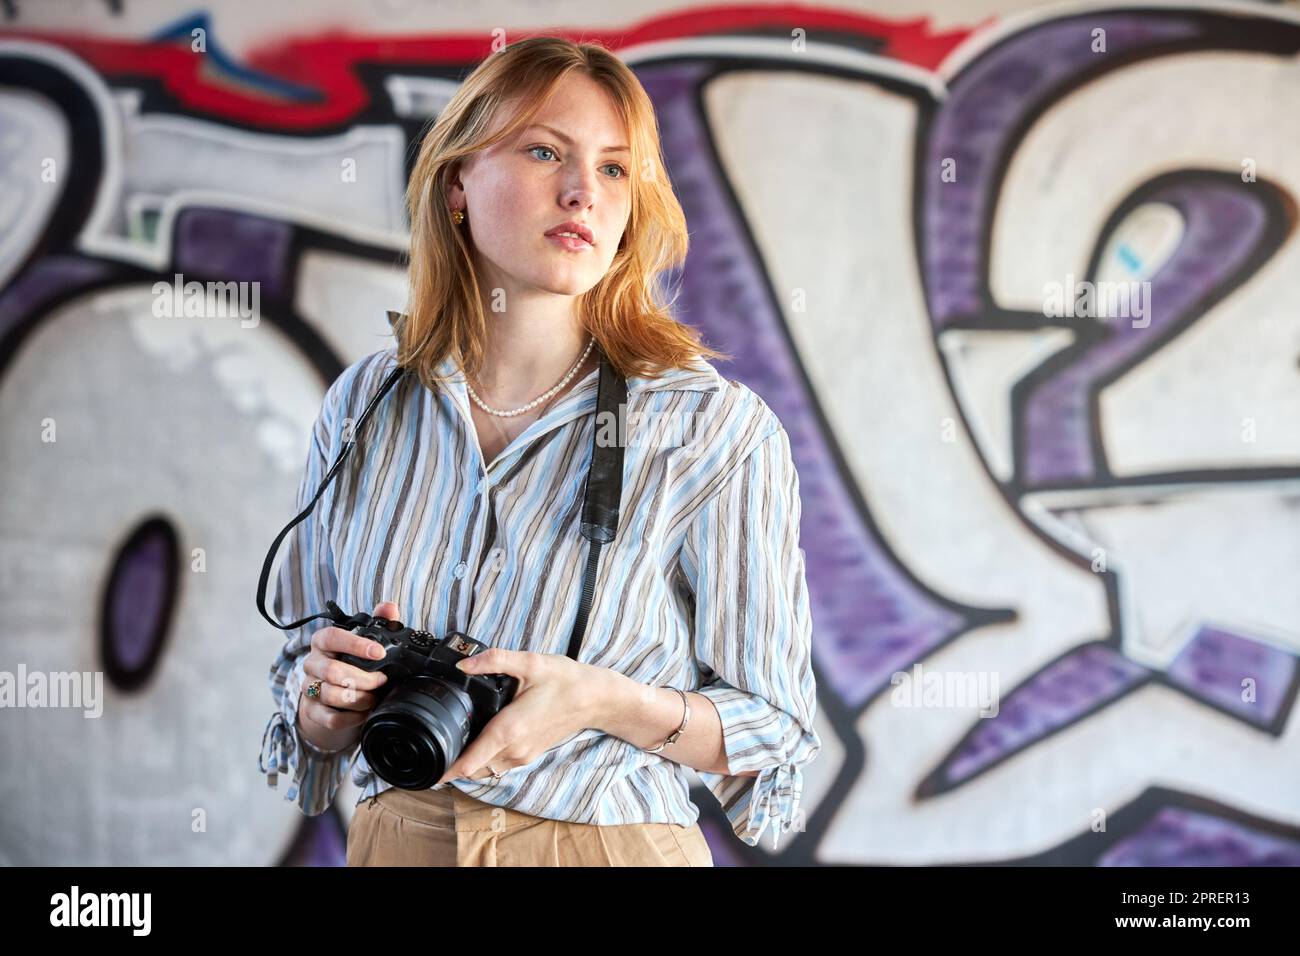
(602, 496)
(603, 493)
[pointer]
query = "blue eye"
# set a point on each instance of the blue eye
(622, 173)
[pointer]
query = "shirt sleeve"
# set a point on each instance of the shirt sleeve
(753, 631)
(305, 581)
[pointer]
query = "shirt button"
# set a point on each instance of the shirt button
(460, 569)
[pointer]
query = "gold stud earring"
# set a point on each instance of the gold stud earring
(457, 216)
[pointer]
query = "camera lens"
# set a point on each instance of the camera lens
(417, 732)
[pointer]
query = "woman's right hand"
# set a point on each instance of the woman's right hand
(333, 720)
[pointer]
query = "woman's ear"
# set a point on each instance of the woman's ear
(455, 197)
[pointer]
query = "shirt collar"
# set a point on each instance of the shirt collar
(704, 378)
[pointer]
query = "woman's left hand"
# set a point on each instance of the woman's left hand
(557, 697)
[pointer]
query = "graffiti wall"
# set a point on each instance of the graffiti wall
(1020, 281)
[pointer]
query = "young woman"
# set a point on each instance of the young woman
(542, 219)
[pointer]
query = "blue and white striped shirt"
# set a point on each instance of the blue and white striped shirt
(702, 589)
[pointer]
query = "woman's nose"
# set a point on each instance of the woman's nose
(577, 199)
(579, 191)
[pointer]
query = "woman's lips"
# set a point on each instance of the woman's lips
(571, 243)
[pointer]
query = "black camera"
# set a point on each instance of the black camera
(427, 711)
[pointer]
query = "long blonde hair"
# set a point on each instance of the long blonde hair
(626, 311)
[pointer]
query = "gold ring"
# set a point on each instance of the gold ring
(314, 689)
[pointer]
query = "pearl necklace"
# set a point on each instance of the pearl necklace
(540, 398)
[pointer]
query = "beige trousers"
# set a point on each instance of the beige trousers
(449, 828)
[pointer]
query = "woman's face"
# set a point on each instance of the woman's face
(528, 184)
